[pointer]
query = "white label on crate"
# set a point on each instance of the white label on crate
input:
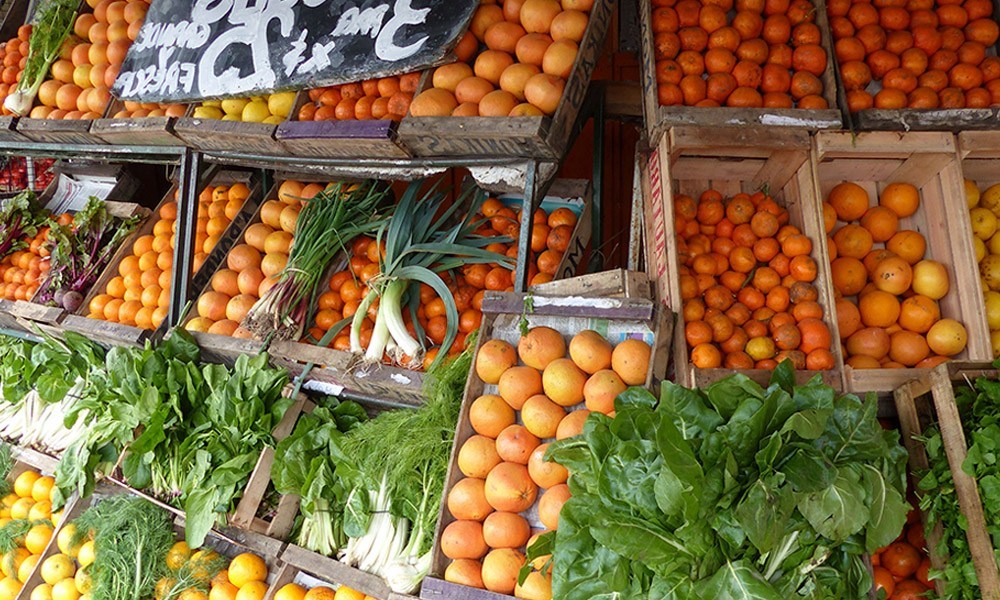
(72, 194)
(323, 387)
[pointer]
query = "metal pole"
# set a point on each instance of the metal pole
(528, 207)
(187, 216)
(596, 222)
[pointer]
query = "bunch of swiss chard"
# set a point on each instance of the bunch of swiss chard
(303, 465)
(734, 491)
(979, 406)
(202, 427)
(80, 252)
(20, 218)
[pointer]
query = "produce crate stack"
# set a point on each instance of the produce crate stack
(939, 416)
(980, 151)
(537, 375)
(752, 63)
(915, 302)
(736, 250)
(132, 297)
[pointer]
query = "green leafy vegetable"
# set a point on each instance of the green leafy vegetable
(734, 491)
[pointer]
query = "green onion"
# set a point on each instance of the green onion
(418, 249)
(326, 226)
(49, 32)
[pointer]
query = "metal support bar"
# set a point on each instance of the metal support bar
(596, 239)
(105, 152)
(528, 206)
(189, 182)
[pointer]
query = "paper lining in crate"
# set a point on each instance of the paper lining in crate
(507, 317)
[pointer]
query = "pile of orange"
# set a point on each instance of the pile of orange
(140, 295)
(916, 53)
(540, 386)
(81, 78)
(252, 267)
(514, 61)
(902, 568)
(386, 98)
(551, 235)
(756, 53)
(14, 55)
(887, 292)
(746, 279)
(21, 272)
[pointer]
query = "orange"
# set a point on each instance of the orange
(879, 309)
(849, 275)
(893, 275)
(901, 198)
(849, 200)
(918, 313)
(853, 241)
(908, 245)
(881, 222)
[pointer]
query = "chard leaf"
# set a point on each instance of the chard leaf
(836, 512)
(808, 424)
(737, 581)
(726, 395)
(764, 513)
(688, 410)
(888, 510)
(807, 470)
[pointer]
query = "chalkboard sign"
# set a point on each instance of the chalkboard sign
(207, 49)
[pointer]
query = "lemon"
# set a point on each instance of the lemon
(274, 120)
(42, 591)
(178, 555)
(24, 484)
(984, 222)
(992, 301)
(65, 541)
(290, 591)
(65, 590)
(346, 593)
(971, 193)
(256, 112)
(83, 582)
(245, 568)
(980, 247)
(163, 587)
(56, 568)
(12, 561)
(234, 106)
(258, 98)
(207, 112)
(86, 554)
(281, 104)
(42, 488)
(995, 342)
(254, 590)
(212, 103)
(56, 518)
(37, 539)
(24, 571)
(989, 268)
(9, 588)
(40, 511)
(236, 117)
(760, 348)
(21, 508)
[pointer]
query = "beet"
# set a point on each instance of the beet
(72, 301)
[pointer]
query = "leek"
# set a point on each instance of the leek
(419, 247)
(48, 34)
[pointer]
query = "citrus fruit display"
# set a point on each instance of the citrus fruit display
(984, 212)
(916, 54)
(538, 391)
(551, 235)
(139, 296)
(748, 285)
(252, 267)
(80, 80)
(22, 271)
(750, 54)
(30, 500)
(512, 62)
(888, 290)
(386, 98)
(271, 109)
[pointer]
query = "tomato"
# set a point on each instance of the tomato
(901, 559)
(910, 589)
(884, 581)
(915, 536)
(923, 572)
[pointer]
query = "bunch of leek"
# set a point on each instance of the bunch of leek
(326, 226)
(419, 246)
(48, 34)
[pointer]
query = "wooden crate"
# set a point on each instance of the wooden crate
(8, 130)
(618, 283)
(660, 118)
(217, 135)
(138, 131)
(534, 137)
(343, 139)
(57, 131)
(980, 156)
(921, 402)
(929, 161)
(310, 569)
(115, 333)
(503, 312)
(692, 160)
(246, 516)
(405, 386)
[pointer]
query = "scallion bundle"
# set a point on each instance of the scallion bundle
(326, 225)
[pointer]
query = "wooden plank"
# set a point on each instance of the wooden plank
(8, 130)
(334, 570)
(140, 131)
(619, 282)
(435, 589)
(956, 119)
(216, 135)
(37, 313)
(344, 139)
(57, 131)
